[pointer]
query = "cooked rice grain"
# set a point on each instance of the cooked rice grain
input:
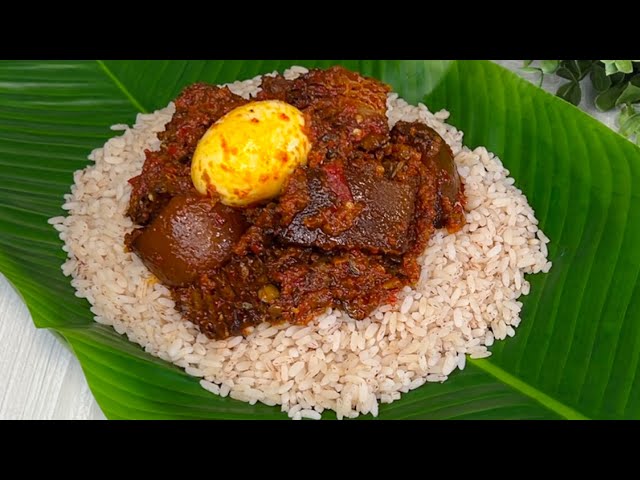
(466, 297)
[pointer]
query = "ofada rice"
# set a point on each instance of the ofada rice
(466, 299)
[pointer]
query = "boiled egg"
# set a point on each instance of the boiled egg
(246, 156)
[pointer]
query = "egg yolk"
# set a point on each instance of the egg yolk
(246, 156)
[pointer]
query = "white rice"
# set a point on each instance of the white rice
(467, 296)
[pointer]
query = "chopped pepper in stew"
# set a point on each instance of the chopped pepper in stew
(345, 232)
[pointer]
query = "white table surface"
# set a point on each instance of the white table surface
(41, 379)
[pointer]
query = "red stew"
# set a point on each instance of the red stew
(345, 233)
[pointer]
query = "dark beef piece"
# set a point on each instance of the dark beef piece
(228, 302)
(382, 209)
(436, 155)
(344, 109)
(367, 96)
(274, 88)
(191, 236)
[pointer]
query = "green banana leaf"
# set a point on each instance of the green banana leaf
(577, 350)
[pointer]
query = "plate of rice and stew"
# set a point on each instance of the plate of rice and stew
(308, 240)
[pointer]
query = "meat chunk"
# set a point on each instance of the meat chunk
(378, 216)
(438, 157)
(191, 236)
(367, 95)
(345, 110)
(228, 302)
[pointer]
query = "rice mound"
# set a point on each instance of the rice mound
(467, 296)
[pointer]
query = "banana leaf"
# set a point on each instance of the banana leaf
(576, 353)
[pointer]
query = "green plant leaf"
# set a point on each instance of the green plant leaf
(615, 66)
(631, 93)
(578, 68)
(606, 100)
(549, 66)
(585, 67)
(535, 70)
(617, 78)
(610, 66)
(629, 122)
(624, 66)
(631, 127)
(577, 350)
(571, 92)
(565, 72)
(599, 78)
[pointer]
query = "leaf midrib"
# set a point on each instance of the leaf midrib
(528, 390)
(485, 365)
(121, 87)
